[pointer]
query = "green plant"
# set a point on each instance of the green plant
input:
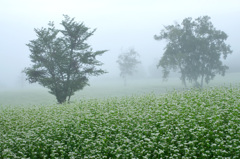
(190, 124)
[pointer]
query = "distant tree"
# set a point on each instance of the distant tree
(62, 60)
(195, 48)
(127, 63)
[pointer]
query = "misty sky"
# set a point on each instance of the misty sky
(121, 24)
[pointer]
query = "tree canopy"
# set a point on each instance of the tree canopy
(195, 48)
(127, 63)
(62, 60)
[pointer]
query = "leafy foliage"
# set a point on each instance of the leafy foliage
(195, 48)
(190, 124)
(62, 60)
(127, 63)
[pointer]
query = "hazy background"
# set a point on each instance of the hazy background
(121, 24)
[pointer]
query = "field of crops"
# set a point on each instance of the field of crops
(188, 124)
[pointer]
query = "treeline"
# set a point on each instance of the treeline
(63, 61)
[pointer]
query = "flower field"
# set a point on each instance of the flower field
(190, 124)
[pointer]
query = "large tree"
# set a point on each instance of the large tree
(195, 48)
(127, 63)
(62, 60)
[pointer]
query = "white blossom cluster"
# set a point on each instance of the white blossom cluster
(189, 124)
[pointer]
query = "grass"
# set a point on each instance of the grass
(187, 124)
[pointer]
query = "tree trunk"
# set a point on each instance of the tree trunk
(184, 83)
(183, 78)
(202, 81)
(61, 100)
(60, 96)
(125, 81)
(69, 97)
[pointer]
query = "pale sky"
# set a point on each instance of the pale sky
(120, 24)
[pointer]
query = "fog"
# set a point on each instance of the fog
(121, 24)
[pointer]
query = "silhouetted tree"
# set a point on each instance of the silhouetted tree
(195, 48)
(62, 60)
(127, 63)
